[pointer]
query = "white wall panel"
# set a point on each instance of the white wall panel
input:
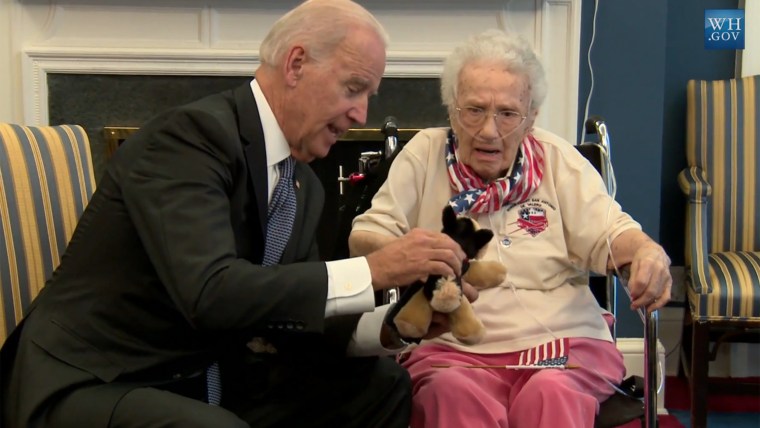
(124, 26)
(222, 37)
(234, 28)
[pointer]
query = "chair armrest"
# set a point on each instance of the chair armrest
(694, 185)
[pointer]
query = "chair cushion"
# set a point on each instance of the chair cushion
(46, 180)
(735, 296)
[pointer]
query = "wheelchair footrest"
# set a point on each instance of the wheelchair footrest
(620, 409)
(633, 386)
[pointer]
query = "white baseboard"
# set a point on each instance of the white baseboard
(732, 360)
(670, 327)
(633, 358)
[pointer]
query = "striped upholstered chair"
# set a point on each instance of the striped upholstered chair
(723, 225)
(46, 180)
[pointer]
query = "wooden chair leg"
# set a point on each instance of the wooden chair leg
(698, 378)
(684, 360)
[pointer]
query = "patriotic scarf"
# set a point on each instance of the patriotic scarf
(474, 195)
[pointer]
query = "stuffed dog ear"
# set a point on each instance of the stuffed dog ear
(449, 219)
(482, 238)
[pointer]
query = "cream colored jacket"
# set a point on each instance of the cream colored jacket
(547, 243)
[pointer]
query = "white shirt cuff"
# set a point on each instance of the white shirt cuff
(349, 287)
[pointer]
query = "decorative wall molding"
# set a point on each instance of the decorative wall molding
(172, 37)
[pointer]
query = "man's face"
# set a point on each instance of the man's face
(330, 96)
(490, 147)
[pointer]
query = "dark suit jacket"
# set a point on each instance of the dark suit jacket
(162, 274)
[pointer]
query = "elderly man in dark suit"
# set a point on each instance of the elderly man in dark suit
(174, 266)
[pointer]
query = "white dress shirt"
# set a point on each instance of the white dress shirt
(349, 286)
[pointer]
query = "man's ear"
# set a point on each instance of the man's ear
(294, 64)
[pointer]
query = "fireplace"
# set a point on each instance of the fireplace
(98, 101)
(111, 107)
(155, 54)
(202, 46)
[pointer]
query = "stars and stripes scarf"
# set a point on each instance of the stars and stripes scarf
(475, 195)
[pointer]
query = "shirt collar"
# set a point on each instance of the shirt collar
(276, 145)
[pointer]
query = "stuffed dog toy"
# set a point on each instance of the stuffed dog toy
(412, 315)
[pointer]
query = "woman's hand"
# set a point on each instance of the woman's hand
(650, 281)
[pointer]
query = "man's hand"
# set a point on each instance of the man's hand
(414, 257)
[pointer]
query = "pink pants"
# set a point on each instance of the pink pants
(460, 397)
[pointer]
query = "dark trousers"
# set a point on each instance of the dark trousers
(342, 392)
(169, 405)
(267, 392)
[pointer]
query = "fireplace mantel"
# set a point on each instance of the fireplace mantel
(206, 38)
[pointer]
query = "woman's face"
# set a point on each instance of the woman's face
(488, 117)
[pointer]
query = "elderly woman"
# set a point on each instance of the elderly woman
(553, 221)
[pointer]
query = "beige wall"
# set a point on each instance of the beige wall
(6, 76)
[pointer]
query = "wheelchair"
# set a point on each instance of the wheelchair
(637, 396)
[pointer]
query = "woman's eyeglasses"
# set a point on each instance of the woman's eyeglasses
(507, 121)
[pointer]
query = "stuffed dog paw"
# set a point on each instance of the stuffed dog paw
(412, 315)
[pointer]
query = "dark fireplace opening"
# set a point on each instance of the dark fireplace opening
(107, 106)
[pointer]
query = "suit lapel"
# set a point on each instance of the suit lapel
(255, 151)
(256, 157)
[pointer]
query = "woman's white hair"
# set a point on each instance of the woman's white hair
(508, 49)
(318, 25)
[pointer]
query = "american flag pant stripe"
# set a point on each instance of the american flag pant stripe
(547, 354)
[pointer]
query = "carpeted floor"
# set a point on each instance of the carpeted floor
(725, 411)
(665, 421)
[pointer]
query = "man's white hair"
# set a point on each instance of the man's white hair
(318, 25)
